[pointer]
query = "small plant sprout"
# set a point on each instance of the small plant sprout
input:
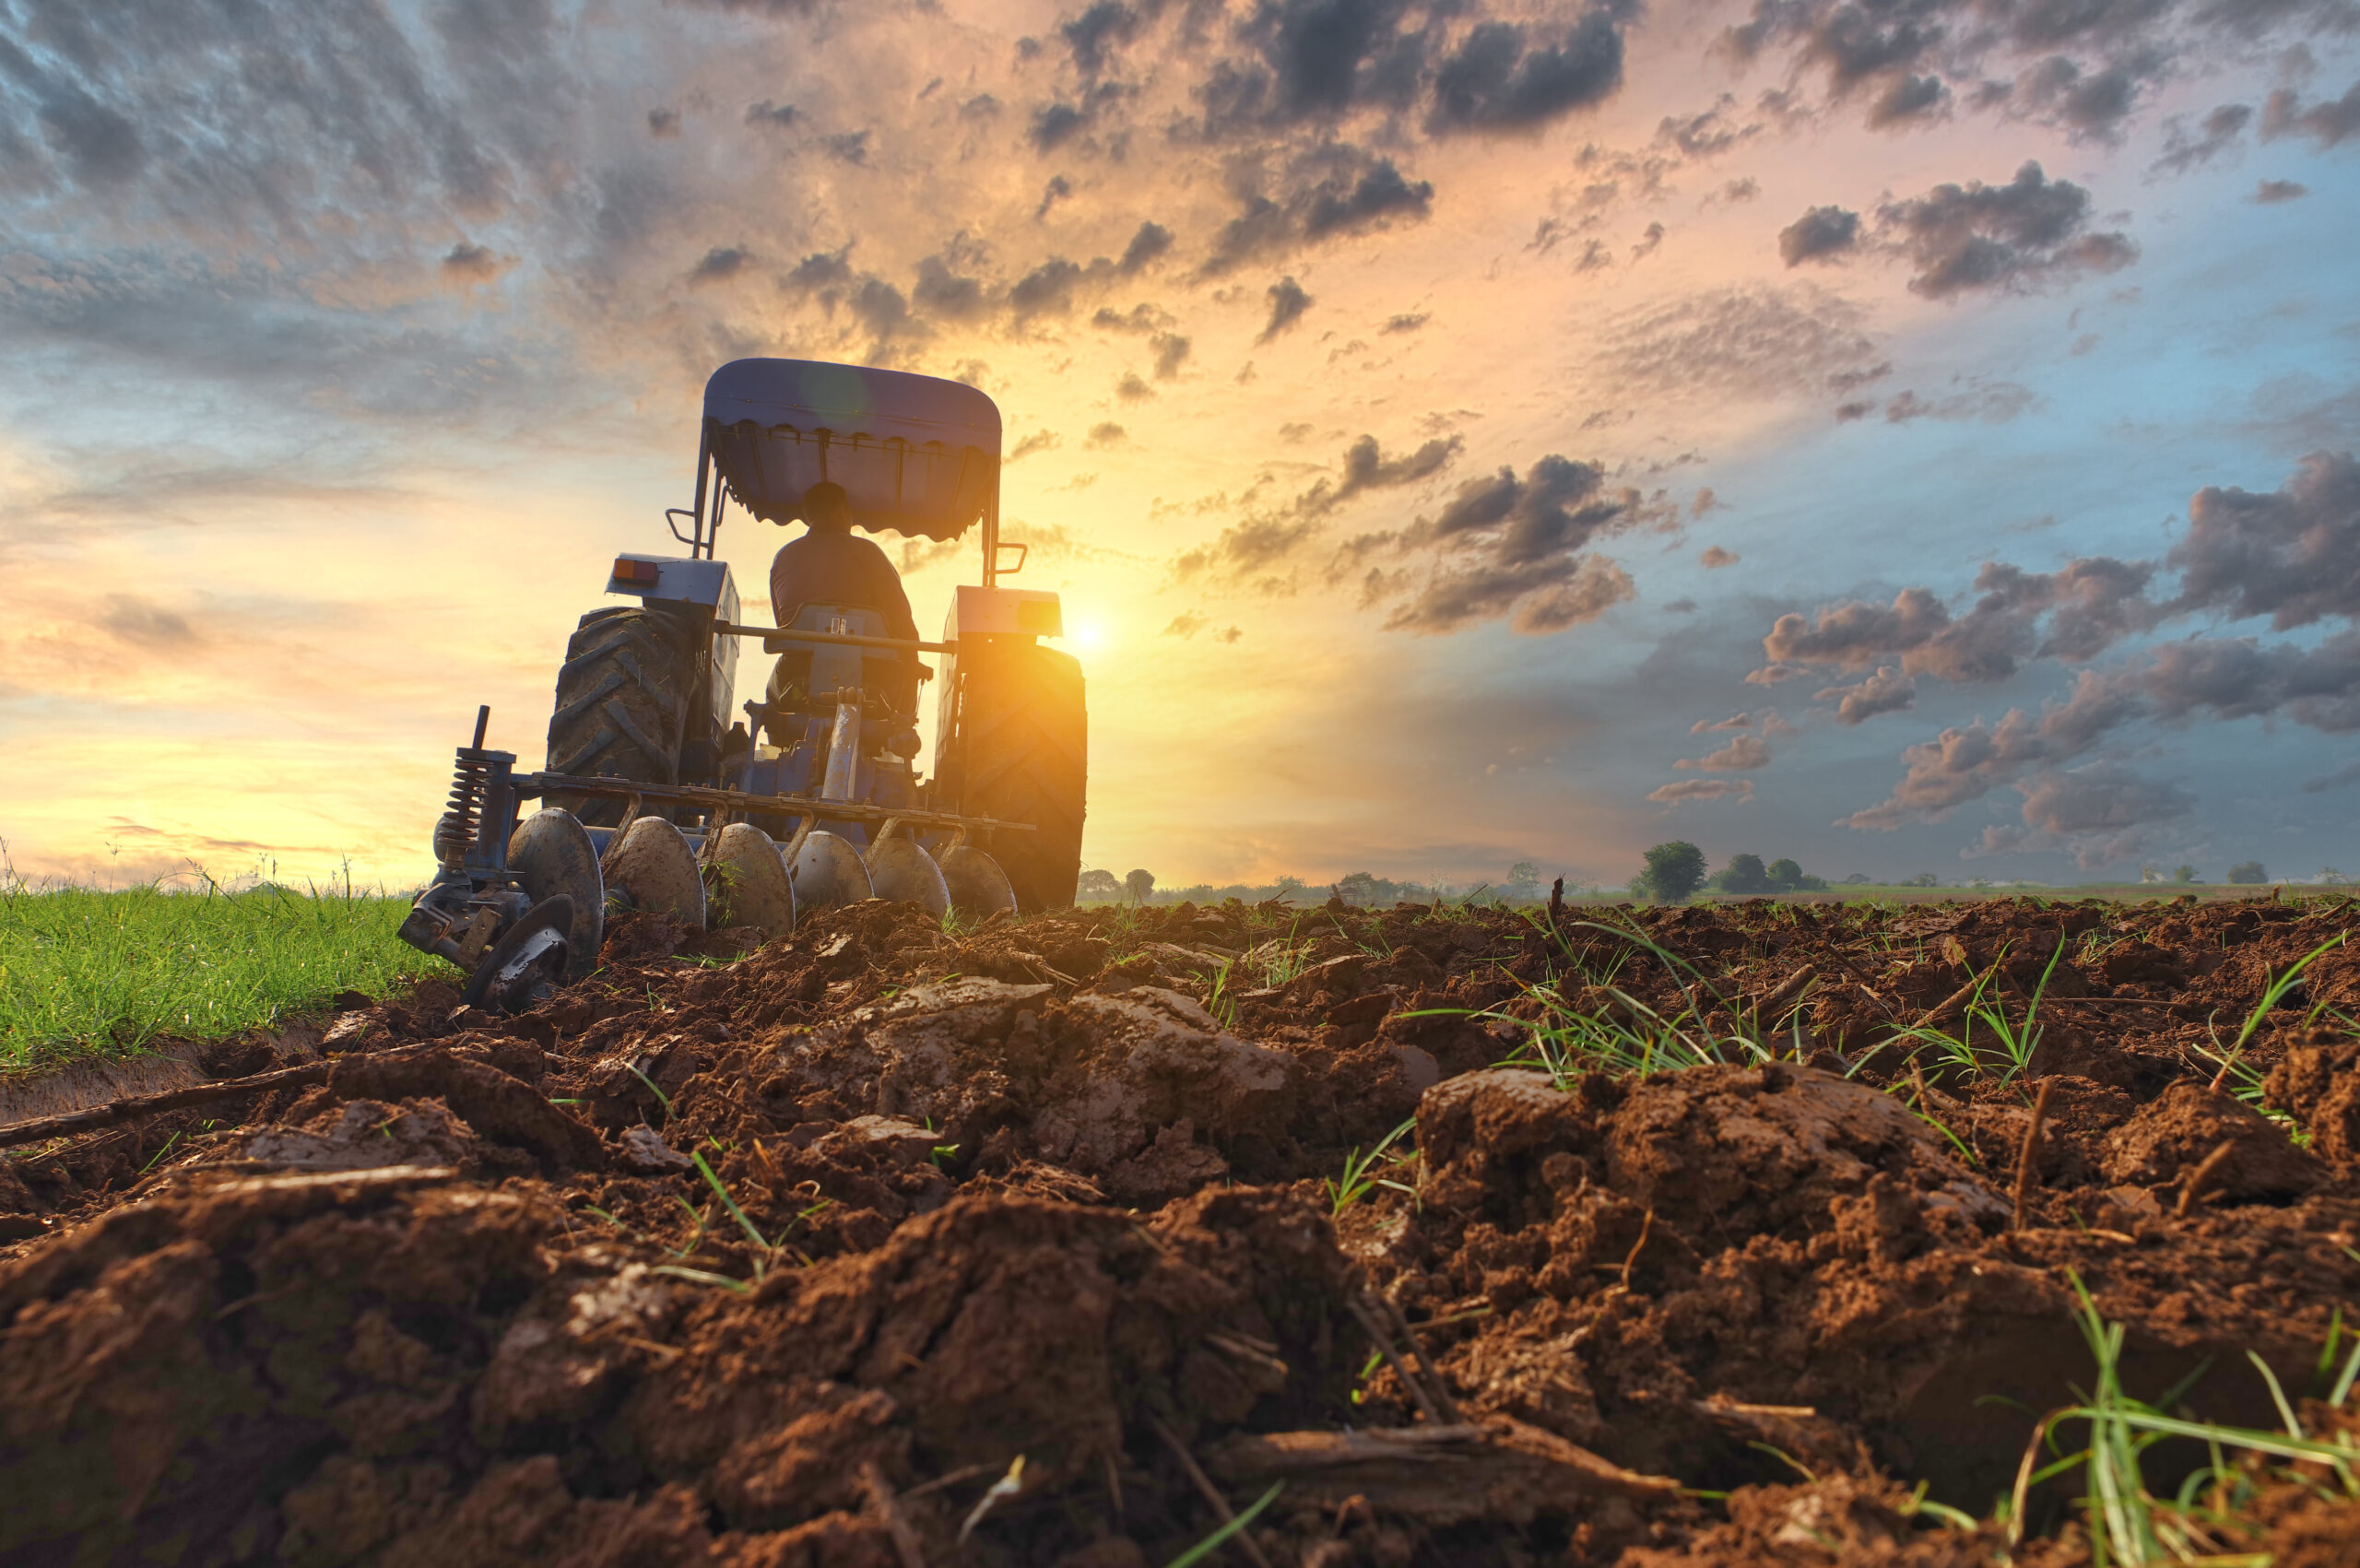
(1360, 1177)
(2236, 1077)
(763, 1249)
(1214, 1542)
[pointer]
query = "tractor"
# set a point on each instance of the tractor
(657, 796)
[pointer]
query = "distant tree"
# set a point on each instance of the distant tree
(1139, 886)
(1857, 879)
(1923, 880)
(2150, 873)
(2332, 876)
(1675, 870)
(1745, 876)
(1524, 881)
(2185, 874)
(1097, 884)
(1360, 888)
(2247, 871)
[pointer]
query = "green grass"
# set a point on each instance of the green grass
(85, 973)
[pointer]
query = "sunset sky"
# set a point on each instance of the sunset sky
(1910, 436)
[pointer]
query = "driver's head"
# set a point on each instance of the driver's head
(827, 509)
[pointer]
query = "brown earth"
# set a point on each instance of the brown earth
(1022, 1196)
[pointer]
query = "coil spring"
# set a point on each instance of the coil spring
(454, 833)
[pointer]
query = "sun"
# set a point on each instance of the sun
(1086, 636)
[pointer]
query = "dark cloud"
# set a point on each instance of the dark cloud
(1821, 235)
(1908, 101)
(720, 265)
(1056, 124)
(1106, 434)
(1504, 546)
(1993, 405)
(1378, 195)
(1501, 78)
(943, 291)
(2087, 103)
(1404, 323)
(2272, 191)
(1097, 32)
(818, 271)
(2328, 122)
(1146, 246)
(2291, 554)
(1963, 237)
(1682, 791)
(1187, 624)
(1287, 302)
(664, 124)
(101, 148)
(144, 624)
(1057, 189)
(468, 264)
(1326, 192)
(848, 146)
(1171, 353)
(1039, 440)
(777, 116)
(1131, 389)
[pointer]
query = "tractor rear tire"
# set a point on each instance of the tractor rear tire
(622, 699)
(1022, 756)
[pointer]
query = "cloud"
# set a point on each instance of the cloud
(1106, 434)
(1187, 624)
(1754, 343)
(1267, 538)
(1742, 752)
(2347, 774)
(1287, 302)
(1682, 791)
(468, 264)
(776, 116)
(1735, 721)
(1404, 323)
(1993, 405)
(1501, 78)
(1504, 546)
(2291, 554)
(2327, 123)
(1716, 557)
(1171, 353)
(1131, 389)
(1976, 236)
(144, 625)
(2272, 191)
(664, 124)
(2220, 132)
(1886, 691)
(720, 265)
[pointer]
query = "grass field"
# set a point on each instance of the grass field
(85, 973)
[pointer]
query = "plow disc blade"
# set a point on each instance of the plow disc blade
(749, 882)
(651, 865)
(826, 871)
(900, 870)
(977, 885)
(553, 857)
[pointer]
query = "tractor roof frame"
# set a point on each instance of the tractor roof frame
(916, 454)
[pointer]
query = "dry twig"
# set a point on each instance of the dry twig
(2205, 1170)
(2028, 1161)
(1205, 1487)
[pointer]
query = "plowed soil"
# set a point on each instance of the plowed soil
(878, 1246)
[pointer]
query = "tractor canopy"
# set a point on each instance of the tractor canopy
(917, 455)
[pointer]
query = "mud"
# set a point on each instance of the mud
(881, 1245)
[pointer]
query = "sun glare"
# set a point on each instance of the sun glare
(1086, 636)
